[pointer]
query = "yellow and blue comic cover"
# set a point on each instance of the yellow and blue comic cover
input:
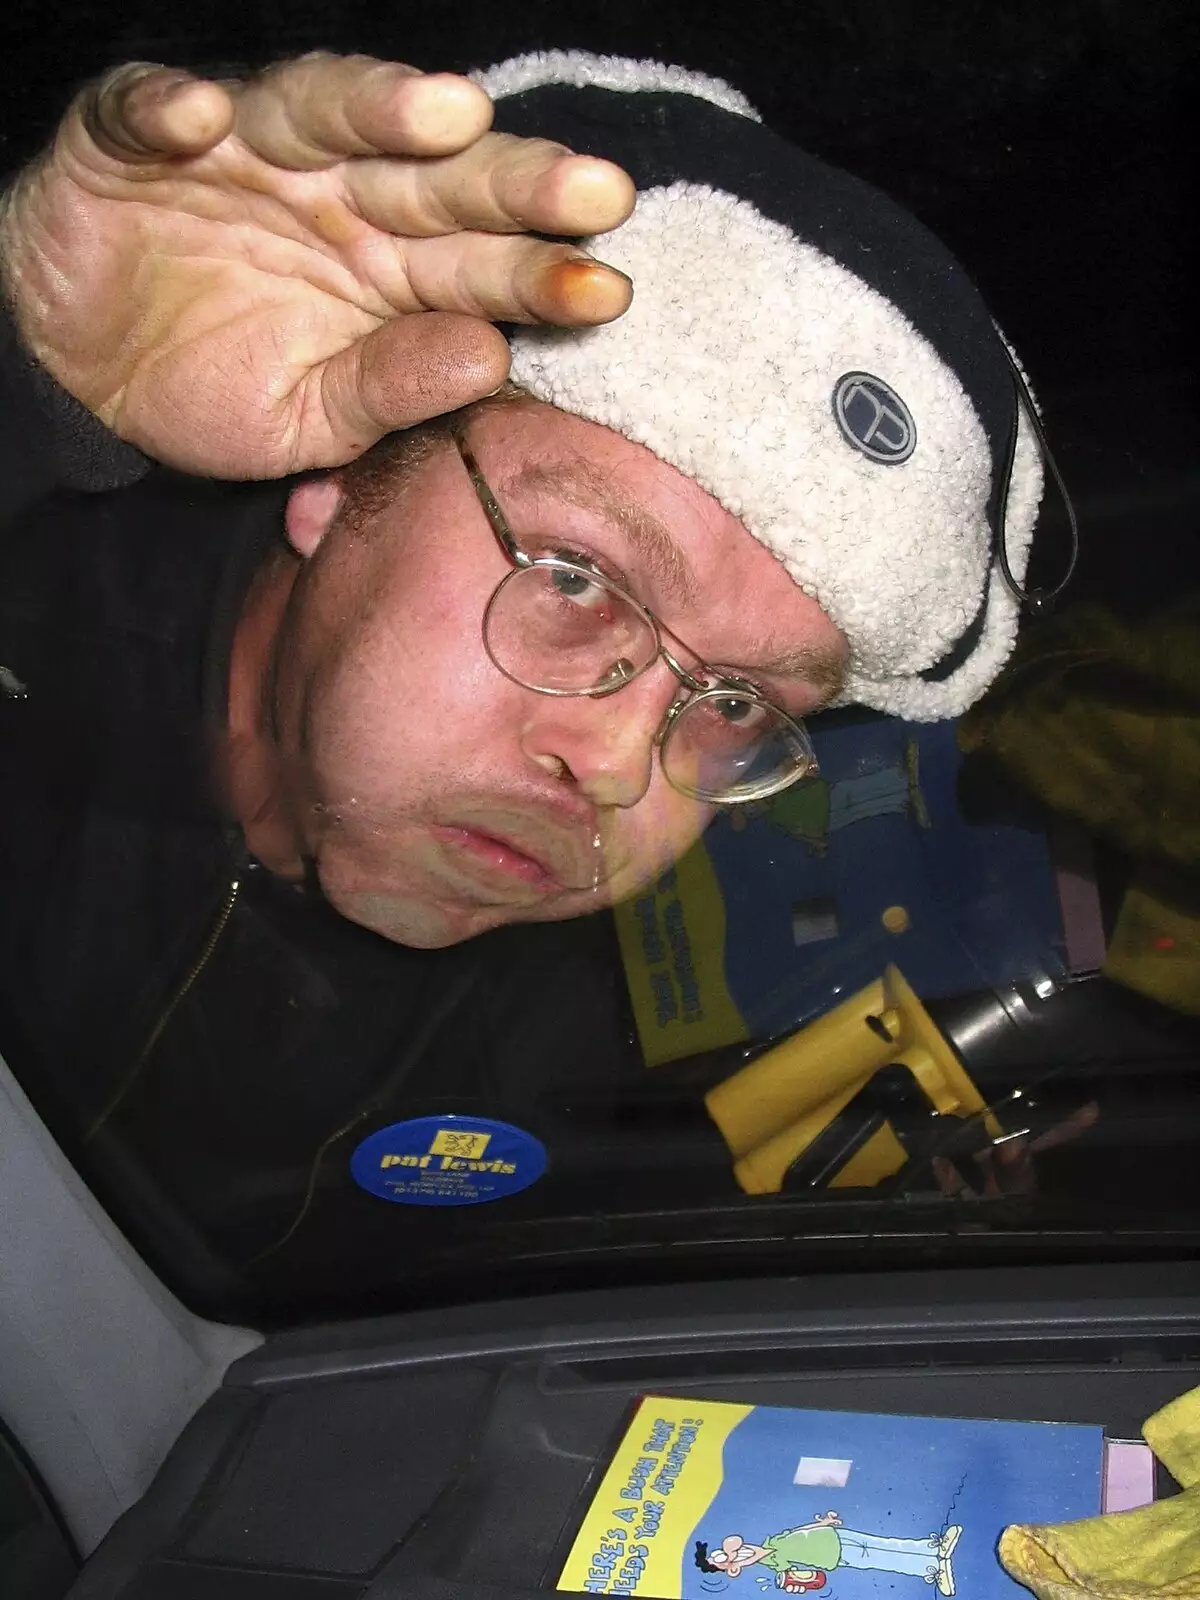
(705, 1498)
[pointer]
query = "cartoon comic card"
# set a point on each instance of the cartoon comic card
(704, 1498)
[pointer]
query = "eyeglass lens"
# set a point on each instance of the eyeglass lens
(560, 628)
(724, 746)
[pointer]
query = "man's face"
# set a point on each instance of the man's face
(439, 798)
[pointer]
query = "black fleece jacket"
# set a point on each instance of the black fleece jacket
(210, 1043)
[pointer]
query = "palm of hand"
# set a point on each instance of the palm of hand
(239, 303)
(236, 312)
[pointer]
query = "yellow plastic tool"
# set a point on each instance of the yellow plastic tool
(772, 1110)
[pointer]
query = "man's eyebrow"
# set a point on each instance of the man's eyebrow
(823, 666)
(580, 484)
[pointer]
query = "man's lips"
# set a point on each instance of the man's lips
(550, 847)
(501, 855)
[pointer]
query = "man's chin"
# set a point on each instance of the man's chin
(451, 904)
(415, 923)
(423, 926)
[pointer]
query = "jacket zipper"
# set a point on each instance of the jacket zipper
(224, 912)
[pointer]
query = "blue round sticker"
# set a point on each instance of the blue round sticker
(447, 1161)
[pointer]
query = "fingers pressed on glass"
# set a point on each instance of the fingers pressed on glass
(143, 112)
(500, 185)
(320, 109)
(508, 279)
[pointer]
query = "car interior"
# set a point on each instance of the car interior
(883, 1099)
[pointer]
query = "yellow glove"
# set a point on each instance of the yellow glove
(1130, 1555)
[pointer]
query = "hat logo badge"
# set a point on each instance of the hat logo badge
(873, 418)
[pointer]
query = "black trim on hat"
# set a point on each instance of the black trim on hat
(662, 137)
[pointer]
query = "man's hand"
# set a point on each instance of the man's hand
(246, 280)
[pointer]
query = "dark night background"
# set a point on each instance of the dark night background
(1053, 146)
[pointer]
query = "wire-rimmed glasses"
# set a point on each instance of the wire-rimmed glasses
(559, 626)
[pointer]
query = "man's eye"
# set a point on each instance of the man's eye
(575, 585)
(740, 713)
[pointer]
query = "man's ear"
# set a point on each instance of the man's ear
(311, 508)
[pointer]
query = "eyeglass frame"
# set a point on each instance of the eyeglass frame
(693, 688)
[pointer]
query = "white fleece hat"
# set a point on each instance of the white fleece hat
(810, 355)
